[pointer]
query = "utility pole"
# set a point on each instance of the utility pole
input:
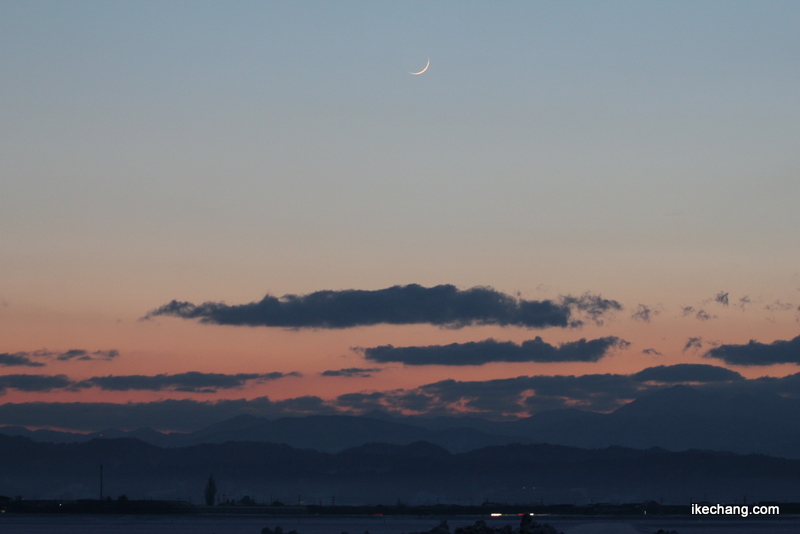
(101, 482)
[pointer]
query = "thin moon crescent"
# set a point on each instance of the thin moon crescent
(423, 70)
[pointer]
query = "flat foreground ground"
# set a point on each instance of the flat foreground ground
(238, 524)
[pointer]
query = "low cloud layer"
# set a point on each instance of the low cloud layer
(499, 398)
(353, 371)
(19, 359)
(687, 372)
(84, 355)
(755, 353)
(187, 382)
(597, 392)
(192, 382)
(27, 359)
(490, 350)
(36, 383)
(443, 305)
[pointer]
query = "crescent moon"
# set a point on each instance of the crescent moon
(423, 70)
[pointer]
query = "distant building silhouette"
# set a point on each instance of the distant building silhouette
(210, 491)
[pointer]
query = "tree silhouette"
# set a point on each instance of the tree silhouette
(211, 491)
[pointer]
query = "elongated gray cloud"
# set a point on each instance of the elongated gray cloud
(755, 353)
(24, 358)
(85, 355)
(687, 372)
(192, 382)
(19, 359)
(36, 383)
(352, 371)
(443, 305)
(188, 382)
(490, 350)
(779, 306)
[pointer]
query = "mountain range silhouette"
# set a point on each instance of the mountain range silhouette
(677, 418)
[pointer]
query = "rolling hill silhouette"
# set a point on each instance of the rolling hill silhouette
(385, 474)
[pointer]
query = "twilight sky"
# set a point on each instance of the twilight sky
(575, 201)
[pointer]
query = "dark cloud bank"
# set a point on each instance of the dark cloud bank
(188, 382)
(38, 383)
(352, 371)
(493, 399)
(651, 352)
(482, 352)
(19, 359)
(755, 353)
(24, 359)
(84, 355)
(595, 392)
(443, 305)
(192, 382)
